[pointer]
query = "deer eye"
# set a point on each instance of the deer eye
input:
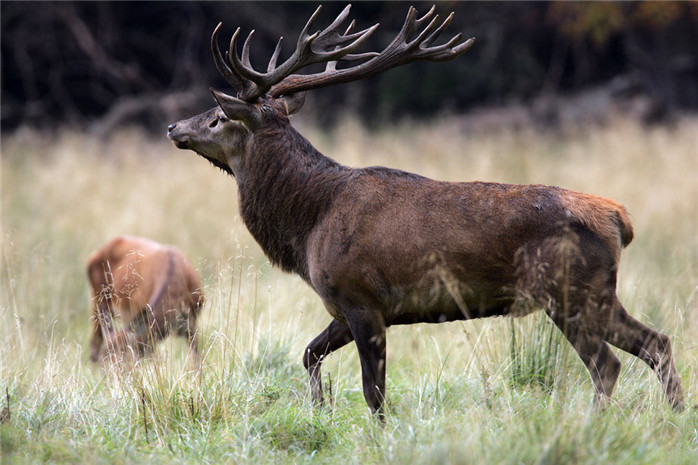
(218, 119)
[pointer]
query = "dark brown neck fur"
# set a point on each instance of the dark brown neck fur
(285, 190)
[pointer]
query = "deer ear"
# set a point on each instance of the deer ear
(237, 109)
(293, 102)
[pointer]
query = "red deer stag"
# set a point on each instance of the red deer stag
(384, 247)
(152, 288)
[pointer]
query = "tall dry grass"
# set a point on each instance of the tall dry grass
(455, 390)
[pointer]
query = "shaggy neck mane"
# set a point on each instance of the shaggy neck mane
(276, 204)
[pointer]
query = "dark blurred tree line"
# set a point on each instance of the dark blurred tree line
(97, 65)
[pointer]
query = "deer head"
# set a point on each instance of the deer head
(223, 134)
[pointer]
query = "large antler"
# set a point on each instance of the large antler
(323, 46)
(413, 43)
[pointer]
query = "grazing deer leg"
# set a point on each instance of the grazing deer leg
(186, 327)
(193, 342)
(122, 346)
(603, 365)
(336, 335)
(148, 329)
(102, 325)
(368, 329)
(102, 306)
(653, 347)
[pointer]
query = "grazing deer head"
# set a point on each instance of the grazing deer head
(384, 247)
(152, 288)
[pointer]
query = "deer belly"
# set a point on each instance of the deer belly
(447, 300)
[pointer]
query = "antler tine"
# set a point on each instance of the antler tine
(233, 78)
(332, 65)
(357, 56)
(437, 32)
(304, 33)
(347, 38)
(232, 50)
(330, 43)
(332, 28)
(426, 16)
(326, 42)
(342, 52)
(407, 28)
(246, 50)
(427, 30)
(464, 47)
(447, 51)
(275, 56)
(236, 63)
(240, 72)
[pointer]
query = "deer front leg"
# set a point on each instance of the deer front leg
(101, 326)
(96, 342)
(368, 329)
(336, 335)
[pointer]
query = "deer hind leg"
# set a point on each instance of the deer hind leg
(652, 347)
(336, 335)
(556, 275)
(603, 365)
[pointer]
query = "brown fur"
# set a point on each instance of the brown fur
(152, 288)
(383, 247)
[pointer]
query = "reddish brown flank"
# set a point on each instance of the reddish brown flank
(152, 288)
(383, 247)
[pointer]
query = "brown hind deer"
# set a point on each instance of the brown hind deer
(152, 288)
(384, 247)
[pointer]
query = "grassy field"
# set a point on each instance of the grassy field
(489, 391)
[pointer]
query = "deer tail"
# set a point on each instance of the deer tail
(626, 227)
(609, 219)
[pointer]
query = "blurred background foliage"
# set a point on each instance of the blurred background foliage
(100, 65)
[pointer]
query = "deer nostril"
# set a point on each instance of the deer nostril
(171, 127)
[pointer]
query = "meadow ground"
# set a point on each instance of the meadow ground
(488, 391)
